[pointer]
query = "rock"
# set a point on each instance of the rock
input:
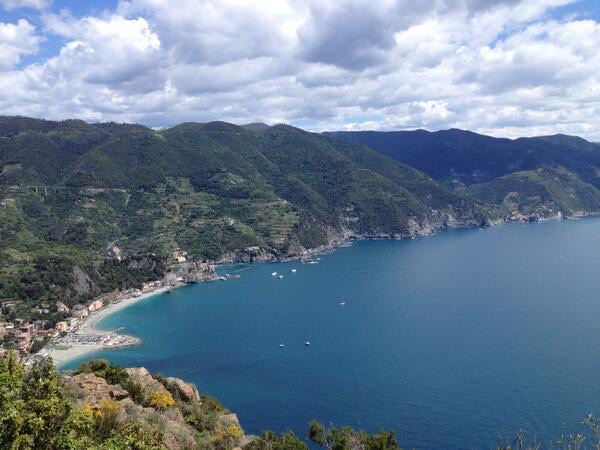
(95, 389)
(141, 376)
(228, 419)
(92, 390)
(185, 391)
(118, 394)
(247, 439)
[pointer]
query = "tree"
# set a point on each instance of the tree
(346, 438)
(271, 441)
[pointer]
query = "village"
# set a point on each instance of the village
(76, 327)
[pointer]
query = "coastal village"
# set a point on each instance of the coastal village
(40, 338)
(75, 333)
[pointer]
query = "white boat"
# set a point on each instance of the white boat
(343, 303)
(307, 343)
(282, 345)
(294, 270)
(274, 274)
(280, 277)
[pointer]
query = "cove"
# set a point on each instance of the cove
(451, 340)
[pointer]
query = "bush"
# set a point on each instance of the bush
(227, 437)
(161, 400)
(270, 441)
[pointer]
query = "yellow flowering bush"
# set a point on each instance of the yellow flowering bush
(161, 400)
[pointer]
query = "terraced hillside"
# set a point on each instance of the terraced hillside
(88, 208)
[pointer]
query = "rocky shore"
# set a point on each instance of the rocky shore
(176, 406)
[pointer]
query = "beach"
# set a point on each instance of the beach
(90, 338)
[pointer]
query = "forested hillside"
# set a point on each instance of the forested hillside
(543, 176)
(88, 208)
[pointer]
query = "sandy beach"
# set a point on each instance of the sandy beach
(62, 353)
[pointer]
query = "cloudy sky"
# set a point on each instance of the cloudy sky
(502, 67)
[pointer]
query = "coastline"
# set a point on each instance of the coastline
(62, 353)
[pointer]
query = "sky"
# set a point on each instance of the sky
(500, 67)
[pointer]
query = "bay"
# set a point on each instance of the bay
(451, 340)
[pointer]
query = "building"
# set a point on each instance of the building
(72, 322)
(115, 252)
(62, 308)
(62, 326)
(2, 331)
(80, 311)
(6, 308)
(24, 337)
(95, 305)
(180, 256)
(150, 286)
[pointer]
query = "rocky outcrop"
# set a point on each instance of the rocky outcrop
(93, 391)
(81, 281)
(189, 272)
(182, 390)
(142, 377)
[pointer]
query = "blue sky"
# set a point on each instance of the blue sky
(502, 67)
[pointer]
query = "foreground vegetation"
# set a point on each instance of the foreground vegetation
(41, 409)
(44, 410)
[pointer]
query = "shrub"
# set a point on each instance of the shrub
(227, 437)
(106, 417)
(161, 400)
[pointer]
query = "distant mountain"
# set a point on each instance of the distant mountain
(256, 126)
(548, 175)
(74, 196)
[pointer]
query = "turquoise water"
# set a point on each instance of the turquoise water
(451, 340)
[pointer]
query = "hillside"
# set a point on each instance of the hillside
(89, 208)
(106, 407)
(488, 169)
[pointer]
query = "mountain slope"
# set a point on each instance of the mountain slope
(482, 166)
(71, 191)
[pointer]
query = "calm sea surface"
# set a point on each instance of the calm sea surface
(450, 340)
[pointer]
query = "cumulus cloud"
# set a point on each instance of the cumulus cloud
(505, 67)
(16, 40)
(15, 4)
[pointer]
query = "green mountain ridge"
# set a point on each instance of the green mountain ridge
(70, 191)
(546, 176)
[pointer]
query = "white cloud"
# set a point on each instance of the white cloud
(15, 4)
(503, 67)
(16, 40)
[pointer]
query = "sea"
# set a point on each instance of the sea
(454, 341)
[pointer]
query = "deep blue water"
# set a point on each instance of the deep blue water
(450, 340)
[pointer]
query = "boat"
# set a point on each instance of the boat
(280, 277)
(274, 274)
(343, 303)
(294, 270)
(282, 345)
(307, 343)
(223, 278)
